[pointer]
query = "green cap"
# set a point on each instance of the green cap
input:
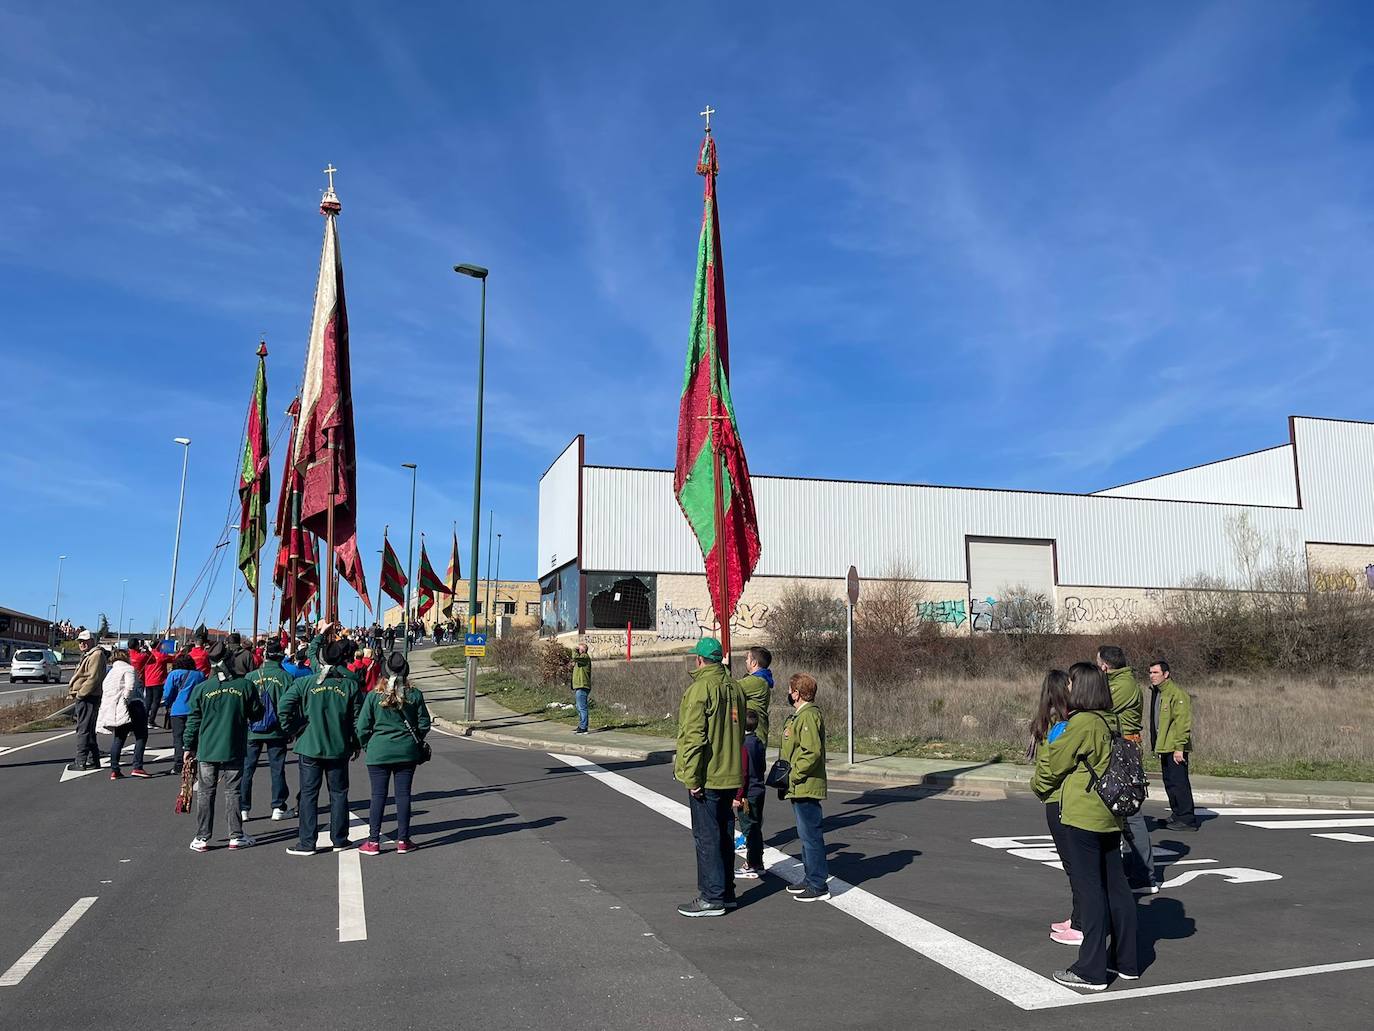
(708, 648)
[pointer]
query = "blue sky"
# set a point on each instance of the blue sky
(1058, 246)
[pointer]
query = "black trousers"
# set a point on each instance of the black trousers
(1105, 904)
(1178, 787)
(87, 747)
(1062, 847)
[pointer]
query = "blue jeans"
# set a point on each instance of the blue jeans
(404, 773)
(138, 717)
(713, 822)
(807, 812)
(276, 761)
(335, 772)
(582, 698)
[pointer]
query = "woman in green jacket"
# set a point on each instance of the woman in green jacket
(392, 723)
(803, 747)
(1051, 720)
(1066, 771)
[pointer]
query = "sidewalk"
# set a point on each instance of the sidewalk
(444, 693)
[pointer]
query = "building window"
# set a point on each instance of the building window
(505, 608)
(618, 600)
(532, 609)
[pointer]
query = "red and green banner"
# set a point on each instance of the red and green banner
(255, 486)
(428, 582)
(454, 574)
(393, 576)
(296, 571)
(711, 477)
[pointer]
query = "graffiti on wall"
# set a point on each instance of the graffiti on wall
(603, 645)
(1100, 610)
(982, 613)
(951, 612)
(1343, 581)
(691, 624)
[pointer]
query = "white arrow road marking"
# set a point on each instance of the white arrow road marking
(43, 945)
(1304, 825)
(152, 755)
(1352, 838)
(35, 744)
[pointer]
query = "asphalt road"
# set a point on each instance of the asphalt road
(543, 896)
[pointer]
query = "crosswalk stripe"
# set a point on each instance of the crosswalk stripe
(1304, 825)
(1353, 838)
(44, 945)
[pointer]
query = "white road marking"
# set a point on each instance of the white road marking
(152, 755)
(1353, 838)
(1011, 981)
(35, 744)
(1230, 874)
(1305, 825)
(352, 917)
(1231, 811)
(43, 946)
(1223, 982)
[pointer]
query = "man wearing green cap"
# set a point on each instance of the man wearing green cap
(710, 742)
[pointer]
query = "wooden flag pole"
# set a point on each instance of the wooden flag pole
(331, 599)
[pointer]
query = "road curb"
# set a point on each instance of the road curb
(1239, 796)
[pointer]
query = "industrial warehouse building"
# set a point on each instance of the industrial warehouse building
(615, 551)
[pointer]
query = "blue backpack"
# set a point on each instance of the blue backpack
(268, 722)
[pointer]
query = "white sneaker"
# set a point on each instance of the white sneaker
(243, 815)
(283, 814)
(243, 841)
(200, 845)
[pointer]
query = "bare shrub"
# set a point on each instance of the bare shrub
(555, 663)
(512, 651)
(808, 624)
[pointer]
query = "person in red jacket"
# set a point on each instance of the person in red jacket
(156, 663)
(200, 656)
(137, 656)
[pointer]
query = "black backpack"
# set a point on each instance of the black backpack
(1122, 786)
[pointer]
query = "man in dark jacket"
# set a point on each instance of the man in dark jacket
(217, 736)
(272, 681)
(320, 711)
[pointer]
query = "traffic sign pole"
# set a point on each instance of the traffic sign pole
(852, 589)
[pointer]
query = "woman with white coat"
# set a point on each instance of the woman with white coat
(122, 709)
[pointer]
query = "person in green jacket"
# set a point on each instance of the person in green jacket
(1091, 836)
(392, 723)
(803, 748)
(320, 711)
(582, 686)
(270, 680)
(1128, 705)
(216, 737)
(758, 687)
(710, 762)
(1172, 734)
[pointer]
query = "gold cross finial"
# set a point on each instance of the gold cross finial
(707, 115)
(330, 172)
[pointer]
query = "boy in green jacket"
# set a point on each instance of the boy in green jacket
(710, 745)
(758, 687)
(217, 738)
(803, 747)
(320, 710)
(272, 680)
(582, 686)
(1172, 727)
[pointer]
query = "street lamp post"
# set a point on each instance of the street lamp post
(185, 443)
(123, 588)
(56, 603)
(410, 559)
(470, 688)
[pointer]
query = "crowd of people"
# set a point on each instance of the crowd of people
(330, 700)
(1087, 745)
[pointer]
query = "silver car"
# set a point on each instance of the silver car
(35, 664)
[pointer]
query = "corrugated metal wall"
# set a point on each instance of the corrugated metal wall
(1263, 478)
(818, 527)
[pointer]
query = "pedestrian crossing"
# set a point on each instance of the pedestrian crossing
(1335, 825)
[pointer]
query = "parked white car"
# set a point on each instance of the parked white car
(35, 664)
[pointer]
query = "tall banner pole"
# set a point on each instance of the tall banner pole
(331, 599)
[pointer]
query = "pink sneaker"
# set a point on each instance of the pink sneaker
(405, 845)
(370, 848)
(1062, 925)
(1069, 937)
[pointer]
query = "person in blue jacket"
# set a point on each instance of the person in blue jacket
(177, 694)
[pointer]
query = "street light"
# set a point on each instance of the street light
(123, 587)
(410, 558)
(470, 690)
(185, 443)
(56, 601)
